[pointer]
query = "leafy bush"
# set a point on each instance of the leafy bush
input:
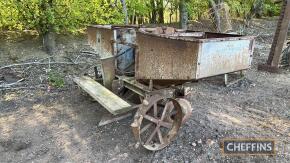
(271, 9)
(56, 79)
(62, 15)
(197, 8)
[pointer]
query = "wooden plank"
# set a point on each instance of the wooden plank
(105, 97)
(280, 35)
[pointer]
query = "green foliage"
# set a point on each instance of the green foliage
(240, 8)
(271, 9)
(56, 79)
(9, 15)
(138, 7)
(71, 15)
(57, 15)
(197, 8)
(105, 12)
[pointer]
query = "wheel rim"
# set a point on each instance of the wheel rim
(157, 122)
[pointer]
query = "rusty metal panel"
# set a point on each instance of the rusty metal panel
(100, 39)
(125, 54)
(109, 40)
(92, 33)
(188, 56)
(223, 57)
(161, 58)
(108, 71)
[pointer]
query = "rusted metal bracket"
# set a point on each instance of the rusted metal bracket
(230, 83)
(109, 118)
(124, 43)
(275, 55)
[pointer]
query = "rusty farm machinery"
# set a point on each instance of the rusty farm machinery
(154, 64)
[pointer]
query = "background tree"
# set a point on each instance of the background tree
(69, 16)
(124, 6)
(183, 14)
(214, 4)
(160, 8)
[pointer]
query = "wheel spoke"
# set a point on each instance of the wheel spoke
(151, 136)
(164, 111)
(145, 128)
(155, 110)
(157, 122)
(152, 119)
(141, 99)
(165, 124)
(160, 136)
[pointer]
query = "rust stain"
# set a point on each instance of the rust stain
(100, 39)
(92, 32)
(166, 59)
(177, 56)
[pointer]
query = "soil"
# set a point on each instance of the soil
(42, 123)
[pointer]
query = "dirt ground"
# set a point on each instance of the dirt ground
(39, 123)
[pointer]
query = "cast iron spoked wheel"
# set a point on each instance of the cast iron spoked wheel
(157, 122)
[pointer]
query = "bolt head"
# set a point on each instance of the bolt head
(145, 102)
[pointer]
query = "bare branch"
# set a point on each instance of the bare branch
(11, 84)
(38, 63)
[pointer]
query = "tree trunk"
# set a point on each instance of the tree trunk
(183, 14)
(176, 15)
(154, 12)
(140, 19)
(256, 10)
(47, 29)
(171, 13)
(160, 12)
(216, 15)
(133, 18)
(125, 11)
(49, 43)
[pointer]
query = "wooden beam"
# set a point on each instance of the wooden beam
(279, 39)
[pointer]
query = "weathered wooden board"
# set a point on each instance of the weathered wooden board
(105, 97)
(280, 35)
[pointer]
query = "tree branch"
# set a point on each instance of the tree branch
(37, 63)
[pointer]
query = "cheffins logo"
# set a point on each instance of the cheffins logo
(248, 146)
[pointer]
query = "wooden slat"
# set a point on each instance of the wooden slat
(105, 97)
